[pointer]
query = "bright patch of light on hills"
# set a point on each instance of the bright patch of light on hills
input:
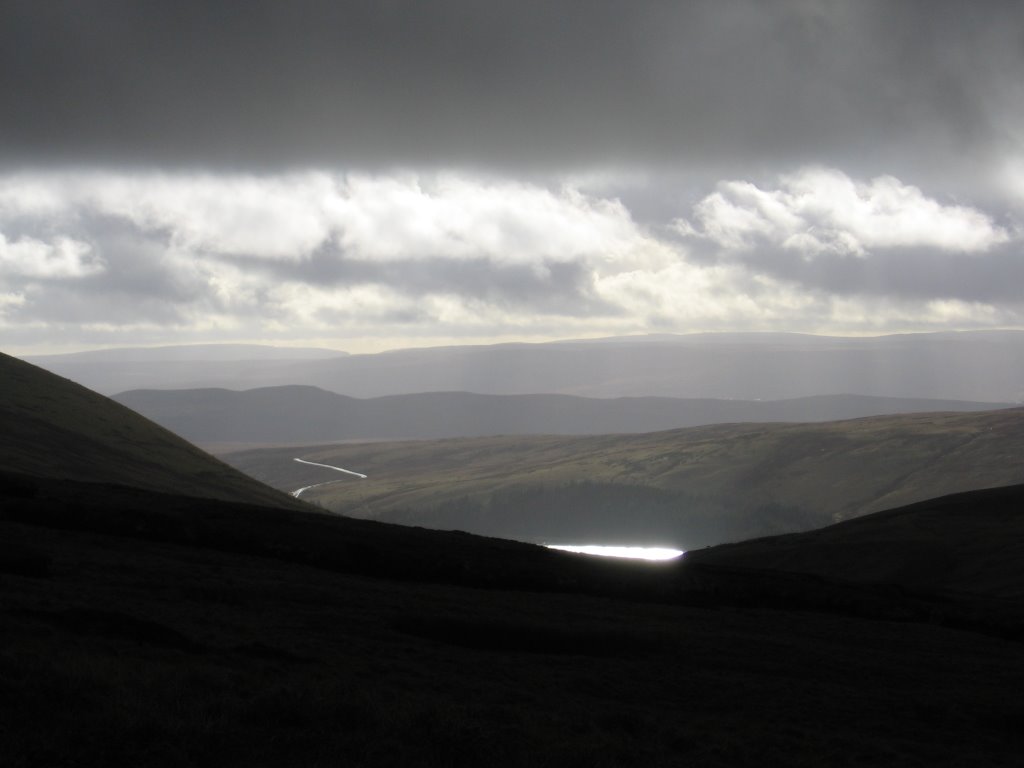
(636, 553)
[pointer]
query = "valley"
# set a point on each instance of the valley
(685, 488)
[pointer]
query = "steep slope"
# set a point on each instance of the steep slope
(691, 487)
(55, 428)
(299, 414)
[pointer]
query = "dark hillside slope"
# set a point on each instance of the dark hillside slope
(965, 544)
(52, 427)
(191, 640)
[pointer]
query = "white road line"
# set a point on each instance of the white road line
(346, 471)
(297, 493)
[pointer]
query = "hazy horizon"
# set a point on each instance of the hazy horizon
(359, 349)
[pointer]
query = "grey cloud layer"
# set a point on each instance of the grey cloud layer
(871, 85)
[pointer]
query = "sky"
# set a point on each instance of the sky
(394, 173)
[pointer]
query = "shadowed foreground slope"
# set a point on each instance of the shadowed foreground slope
(146, 629)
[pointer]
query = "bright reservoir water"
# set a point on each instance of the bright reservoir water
(637, 553)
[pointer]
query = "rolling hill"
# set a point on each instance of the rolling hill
(299, 414)
(688, 488)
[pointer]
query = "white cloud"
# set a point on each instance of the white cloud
(36, 194)
(455, 217)
(820, 211)
(376, 218)
(879, 315)
(689, 297)
(270, 217)
(9, 300)
(61, 258)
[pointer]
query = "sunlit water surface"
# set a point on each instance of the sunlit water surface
(637, 553)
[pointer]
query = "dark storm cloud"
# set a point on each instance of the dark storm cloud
(524, 84)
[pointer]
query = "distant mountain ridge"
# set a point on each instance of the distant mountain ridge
(300, 414)
(984, 366)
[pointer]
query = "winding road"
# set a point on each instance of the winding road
(297, 493)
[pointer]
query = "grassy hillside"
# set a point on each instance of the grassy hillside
(689, 487)
(55, 428)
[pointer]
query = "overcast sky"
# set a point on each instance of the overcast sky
(370, 175)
